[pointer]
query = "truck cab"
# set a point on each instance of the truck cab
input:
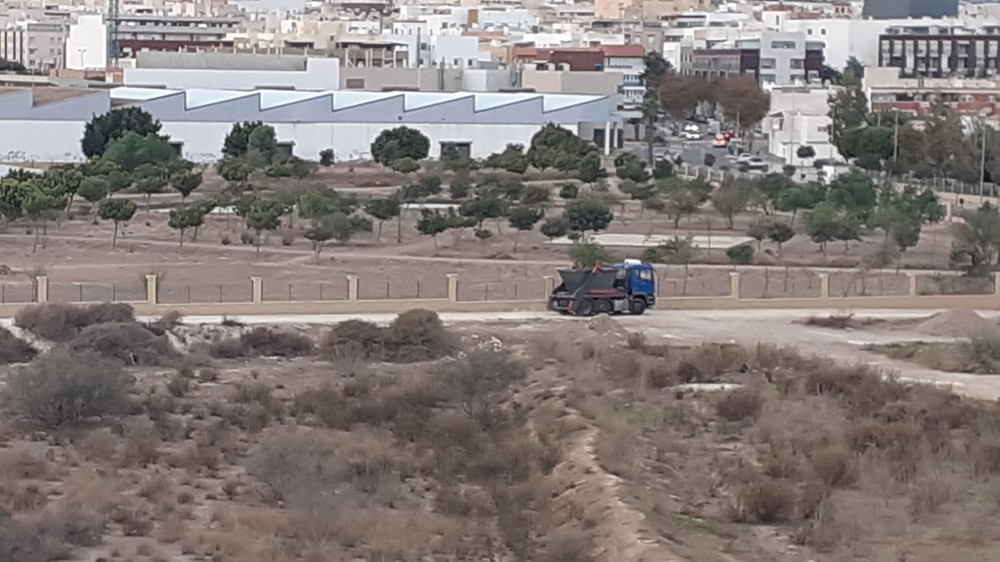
(629, 287)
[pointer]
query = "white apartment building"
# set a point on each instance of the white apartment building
(87, 43)
(799, 117)
(39, 46)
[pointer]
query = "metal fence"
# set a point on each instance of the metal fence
(16, 293)
(96, 292)
(171, 293)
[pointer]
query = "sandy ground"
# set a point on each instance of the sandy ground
(780, 327)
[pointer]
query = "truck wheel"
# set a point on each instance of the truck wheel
(602, 306)
(586, 308)
(637, 306)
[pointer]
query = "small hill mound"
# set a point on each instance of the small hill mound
(957, 324)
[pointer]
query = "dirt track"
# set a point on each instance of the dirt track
(742, 326)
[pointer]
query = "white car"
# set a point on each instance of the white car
(753, 164)
(692, 128)
(744, 157)
(691, 135)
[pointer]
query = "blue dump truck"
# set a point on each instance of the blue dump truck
(629, 286)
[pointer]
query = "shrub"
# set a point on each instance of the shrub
(73, 526)
(295, 466)
(20, 542)
(419, 335)
(740, 405)
(62, 386)
(742, 254)
(60, 322)
(568, 545)
(13, 349)
(179, 385)
(415, 335)
(128, 342)
(765, 500)
(263, 342)
(833, 466)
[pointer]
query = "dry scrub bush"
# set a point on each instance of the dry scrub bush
(98, 445)
(928, 495)
(134, 521)
(392, 534)
(568, 545)
(61, 387)
(739, 405)
(14, 349)
(415, 335)
(714, 359)
(142, 441)
(128, 342)
(765, 500)
(862, 389)
(60, 322)
(72, 526)
(481, 380)
(298, 467)
(263, 342)
(20, 542)
(834, 466)
(22, 463)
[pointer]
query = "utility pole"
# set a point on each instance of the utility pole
(895, 138)
(982, 162)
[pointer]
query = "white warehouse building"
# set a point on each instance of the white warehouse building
(46, 125)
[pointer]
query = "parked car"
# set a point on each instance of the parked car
(691, 127)
(744, 157)
(692, 135)
(720, 141)
(754, 164)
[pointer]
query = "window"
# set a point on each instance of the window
(456, 149)
(646, 274)
(285, 149)
(797, 64)
(767, 63)
(354, 84)
(767, 78)
(822, 31)
(782, 44)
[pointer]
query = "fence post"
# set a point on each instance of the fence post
(42, 289)
(452, 287)
(256, 290)
(824, 285)
(152, 289)
(911, 283)
(949, 211)
(352, 287)
(550, 285)
(996, 285)
(734, 284)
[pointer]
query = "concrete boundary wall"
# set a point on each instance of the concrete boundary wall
(353, 305)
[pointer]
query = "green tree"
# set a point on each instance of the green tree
(512, 159)
(183, 219)
(13, 194)
(977, 241)
(41, 208)
(650, 110)
(800, 197)
(569, 191)
(185, 183)
(261, 215)
(535, 195)
(94, 189)
(234, 169)
(345, 226)
(828, 222)
(326, 157)
(150, 179)
(425, 186)
(555, 227)
(588, 254)
(382, 210)
(740, 255)
(855, 193)
(848, 108)
(431, 223)
(101, 130)
(262, 143)
(523, 219)
(392, 145)
(771, 188)
(731, 199)
(555, 147)
(405, 165)
(655, 69)
(759, 230)
(587, 215)
(483, 207)
(779, 233)
(679, 251)
(460, 186)
(663, 169)
(591, 170)
(680, 198)
(629, 166)
(870, 147)
(132, 151)
(237, 141)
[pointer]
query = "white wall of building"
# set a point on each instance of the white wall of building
(87, 44)
(320, 74)
(799, 118)
(59, 141)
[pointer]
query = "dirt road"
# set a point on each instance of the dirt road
(740, 326)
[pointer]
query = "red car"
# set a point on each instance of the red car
(720, 141)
